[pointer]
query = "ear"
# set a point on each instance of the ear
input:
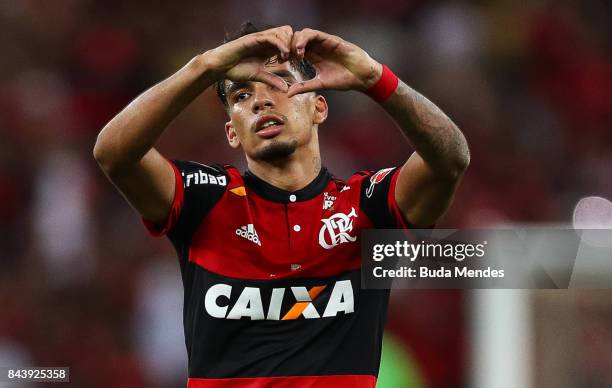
(232, 137)
(321, 110)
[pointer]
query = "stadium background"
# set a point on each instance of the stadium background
(82, 285)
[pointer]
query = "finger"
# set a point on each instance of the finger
(271, 79)
(262, 41)
(305, 87)
(308, 36)
(299, 55)
(300, 41)
(284, 34)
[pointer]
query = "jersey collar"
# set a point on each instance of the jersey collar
(273, 193)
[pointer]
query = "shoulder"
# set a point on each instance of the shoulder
(370, 178)
(376, 195)
(199, 174)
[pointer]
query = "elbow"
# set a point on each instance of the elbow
(460, 164)
(103, 155)
(463, 157)
(114, 160)
(100, 152)
(464, 161)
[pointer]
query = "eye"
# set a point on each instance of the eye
(241, 96)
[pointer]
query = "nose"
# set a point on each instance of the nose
(262, 98)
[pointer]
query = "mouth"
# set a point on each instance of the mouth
(269, 126)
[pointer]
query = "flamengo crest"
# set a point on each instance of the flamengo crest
(335, 230)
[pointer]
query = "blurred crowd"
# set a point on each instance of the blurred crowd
(82, 284)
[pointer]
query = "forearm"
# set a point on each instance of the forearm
(435, 137)
(135, 130)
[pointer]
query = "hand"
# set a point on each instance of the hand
(244, 59)
(340, 65)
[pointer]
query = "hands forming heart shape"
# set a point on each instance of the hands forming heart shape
(340, 65)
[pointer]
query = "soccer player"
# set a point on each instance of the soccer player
(270, 259)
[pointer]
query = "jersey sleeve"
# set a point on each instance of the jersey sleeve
(198, 188)
(377, 199)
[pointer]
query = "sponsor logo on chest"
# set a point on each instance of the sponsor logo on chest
(250, 303)
(248, 232)
(328, 201)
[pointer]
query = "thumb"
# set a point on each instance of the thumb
(270, 79)
(305, 87)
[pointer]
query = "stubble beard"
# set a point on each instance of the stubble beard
(276, 151)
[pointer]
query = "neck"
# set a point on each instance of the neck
(290, 174)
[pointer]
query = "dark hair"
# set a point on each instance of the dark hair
(304, 67)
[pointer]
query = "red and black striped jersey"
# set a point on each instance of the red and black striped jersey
(272, 278)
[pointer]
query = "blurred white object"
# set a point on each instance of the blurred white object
(453, 34)
(62, 217)
(501, 335)
(594, 213)
(158, 323)
(14, 355)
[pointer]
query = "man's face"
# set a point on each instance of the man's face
(265, 123)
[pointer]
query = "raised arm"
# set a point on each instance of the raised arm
(124, 148)
(428, 180)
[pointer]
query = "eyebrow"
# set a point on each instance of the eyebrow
(235, 86)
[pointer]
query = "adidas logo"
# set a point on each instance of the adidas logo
(248, 232)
